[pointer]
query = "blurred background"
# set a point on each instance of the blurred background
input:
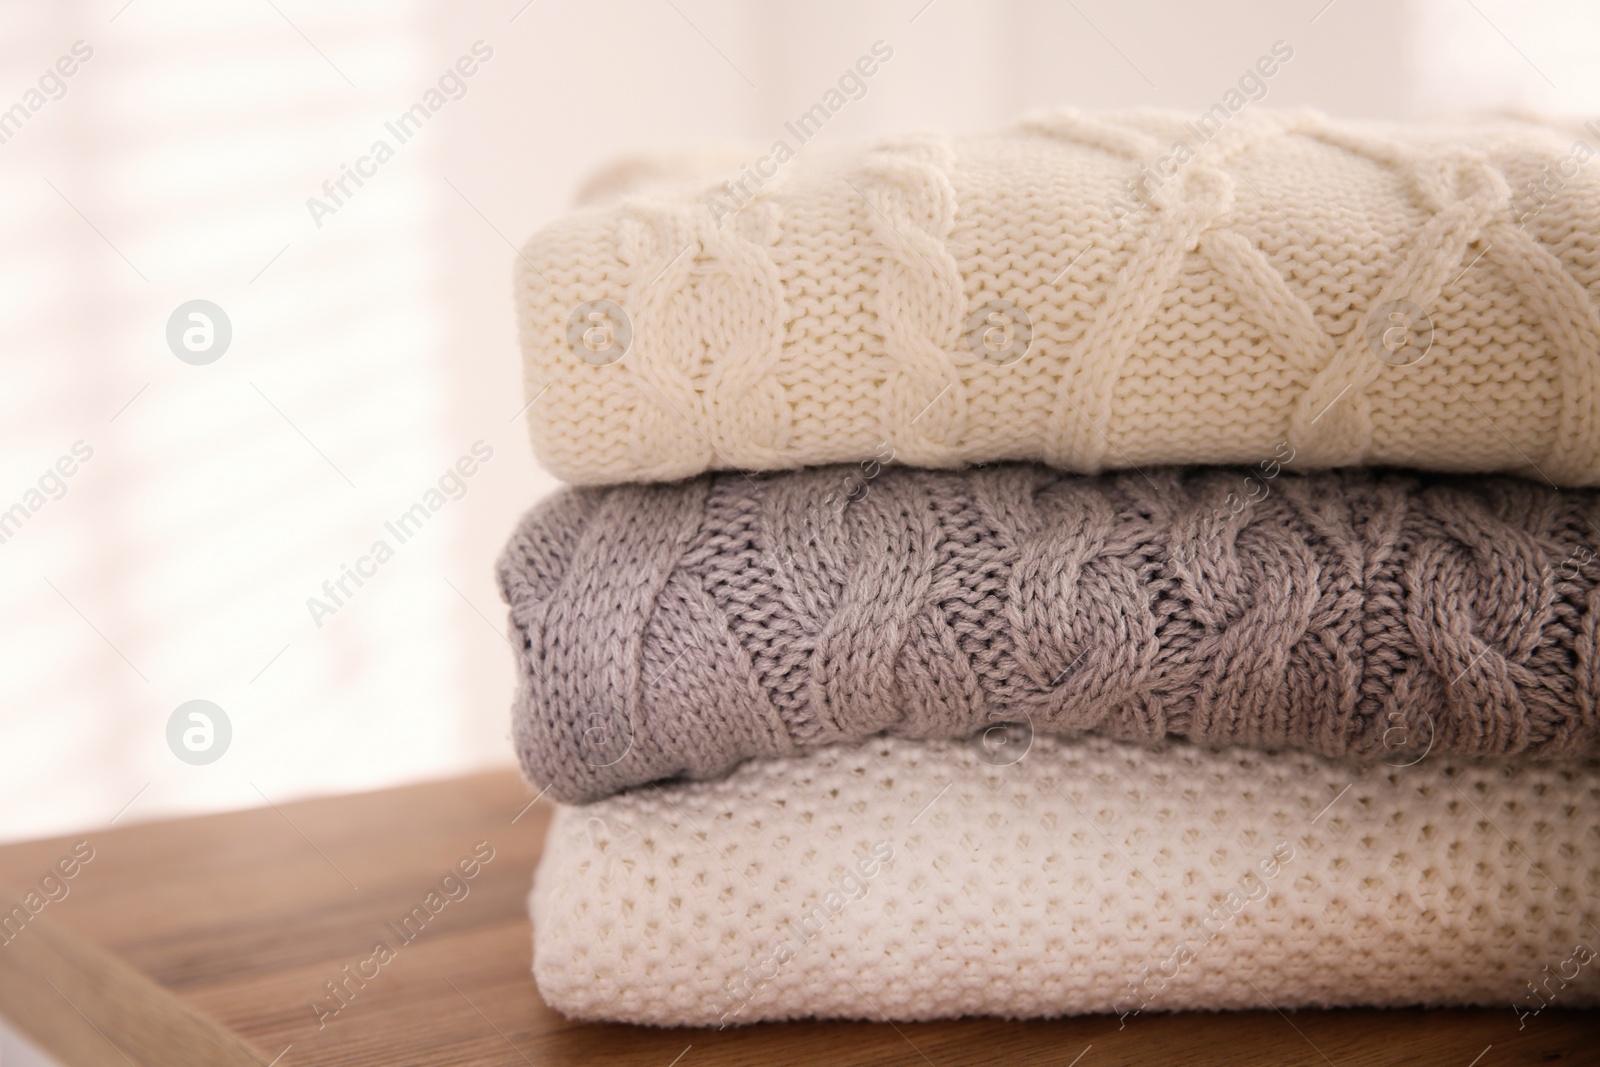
(372, 339)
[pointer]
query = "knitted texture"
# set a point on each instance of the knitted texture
(919, 881)
(1373, 294)
(677, 629)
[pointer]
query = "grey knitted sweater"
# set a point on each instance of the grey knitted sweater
(677, 629)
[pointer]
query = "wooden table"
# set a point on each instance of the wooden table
(205, 941)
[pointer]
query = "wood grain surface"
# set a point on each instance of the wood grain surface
(206, 942)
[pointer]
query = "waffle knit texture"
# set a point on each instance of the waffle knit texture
(919, 881)
(1179, 310)
(676, 629)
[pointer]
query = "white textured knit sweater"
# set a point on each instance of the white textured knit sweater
(1078, 290)
(926, 880)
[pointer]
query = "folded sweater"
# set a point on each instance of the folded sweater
(1088, 291)
(676, 629)
(911, 881)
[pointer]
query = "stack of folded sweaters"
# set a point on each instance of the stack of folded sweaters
(1110, 565)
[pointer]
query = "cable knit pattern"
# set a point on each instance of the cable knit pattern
(676, 629)
(1199, 317)
(920, 881)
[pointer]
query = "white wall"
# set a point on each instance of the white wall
(374, 350)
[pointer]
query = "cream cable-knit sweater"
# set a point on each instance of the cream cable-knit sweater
(1077, 290)
(937, 879)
